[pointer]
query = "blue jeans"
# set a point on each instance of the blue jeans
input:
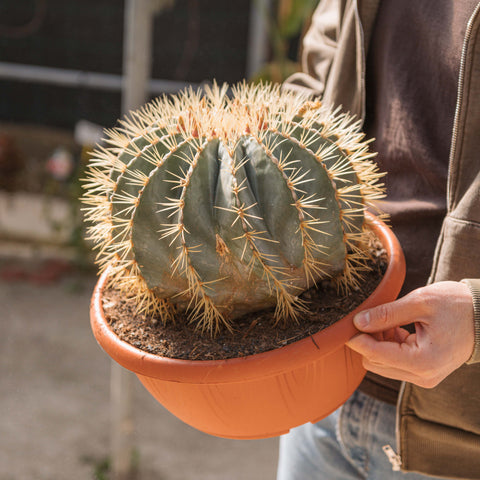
(347, 445)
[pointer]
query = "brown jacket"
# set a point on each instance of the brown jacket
(438, 429)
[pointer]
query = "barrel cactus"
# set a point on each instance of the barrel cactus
(227, 201)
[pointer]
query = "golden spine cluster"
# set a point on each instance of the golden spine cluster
(183, 125)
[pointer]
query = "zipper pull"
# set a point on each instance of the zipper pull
(393, 457)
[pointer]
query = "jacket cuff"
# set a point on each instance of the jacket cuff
(474, 286)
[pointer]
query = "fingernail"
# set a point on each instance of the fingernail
(361, 320)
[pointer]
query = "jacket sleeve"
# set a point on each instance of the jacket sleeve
(318, 49)
(474, 286)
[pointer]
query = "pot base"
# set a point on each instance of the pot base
(264, 407)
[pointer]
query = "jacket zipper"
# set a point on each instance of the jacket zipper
(397, 421)
(453, 152)
(393, 458)
(461, 81)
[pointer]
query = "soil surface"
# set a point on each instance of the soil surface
(253, 333)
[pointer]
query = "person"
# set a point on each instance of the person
(410, 71)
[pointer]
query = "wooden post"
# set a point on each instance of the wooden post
(137, 53)
(122, 423)
(257, 50)
(136, 69)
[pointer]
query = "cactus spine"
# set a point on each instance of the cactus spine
(220, 205)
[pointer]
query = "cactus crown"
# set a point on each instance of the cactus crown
(218, 204)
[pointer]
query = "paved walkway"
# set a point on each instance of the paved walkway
(54, 400)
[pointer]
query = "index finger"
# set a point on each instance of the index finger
(403, 311)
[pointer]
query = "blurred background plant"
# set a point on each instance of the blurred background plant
(287, 23)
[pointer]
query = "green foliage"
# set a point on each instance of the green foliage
(286, 25)
(293, 15)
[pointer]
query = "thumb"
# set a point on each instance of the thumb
(389, 315)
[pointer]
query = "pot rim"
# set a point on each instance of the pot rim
(272, 362)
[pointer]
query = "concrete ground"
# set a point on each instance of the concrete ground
(54, 399)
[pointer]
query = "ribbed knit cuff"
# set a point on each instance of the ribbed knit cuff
(474, 285)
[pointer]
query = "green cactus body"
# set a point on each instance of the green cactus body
(219, 206)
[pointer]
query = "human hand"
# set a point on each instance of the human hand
(443, 339)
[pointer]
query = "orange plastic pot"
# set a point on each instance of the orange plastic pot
(262, 395)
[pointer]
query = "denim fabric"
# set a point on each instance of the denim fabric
(347, 445)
